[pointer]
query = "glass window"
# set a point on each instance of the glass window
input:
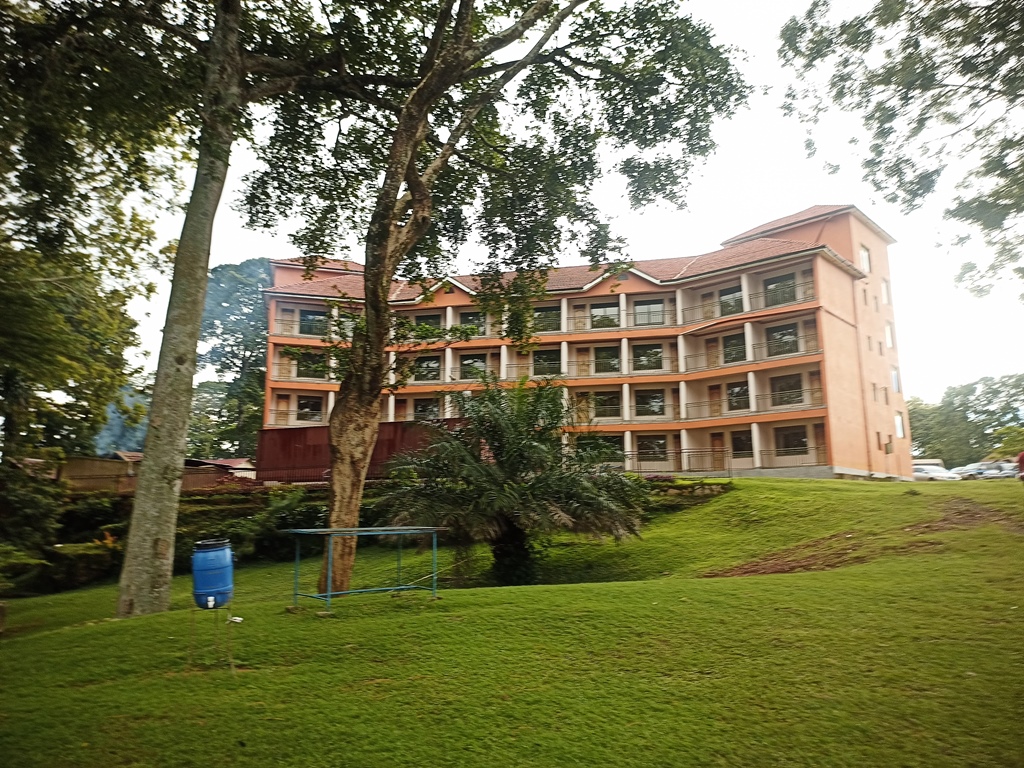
(734, 348)
(899, 425)
(791, 441)
(604, 315)
(426, 408)
(477, 319)
(738, 396)
(647, 357)
(472, 366)
(787, 390)
(434, 321)
(311, 365)
(885, 291)
(782, 340)
(780, 290)
(312, 322)
(742, 444)
(889, 340)
(730, 300)
(547, 319)
(547, 362)
(607, 405)
(650, 402)
(649, 312)
(606, 360)
(615, 443)
(865, 258)
(652, 447)
(427, 368)
(895, 379)
(310, 409)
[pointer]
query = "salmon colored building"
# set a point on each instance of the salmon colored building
(775, 355)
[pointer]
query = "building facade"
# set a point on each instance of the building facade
(775, 355)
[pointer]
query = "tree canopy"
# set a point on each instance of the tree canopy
(934, 81)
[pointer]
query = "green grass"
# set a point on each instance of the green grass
(913, 657)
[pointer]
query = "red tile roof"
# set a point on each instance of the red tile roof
(810, 214)
(742, 253)
(346, 265)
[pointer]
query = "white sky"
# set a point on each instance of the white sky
(760, 172)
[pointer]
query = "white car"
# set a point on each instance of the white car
(932, 472)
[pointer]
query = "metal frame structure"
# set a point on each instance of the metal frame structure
(395, 530)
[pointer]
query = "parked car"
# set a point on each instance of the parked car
(931, 472)
(969, 471)
(1001, 469)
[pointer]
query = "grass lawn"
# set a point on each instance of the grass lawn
(887, 629)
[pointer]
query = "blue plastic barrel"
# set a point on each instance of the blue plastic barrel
(212, 573)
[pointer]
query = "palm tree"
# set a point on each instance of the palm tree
(510, 473)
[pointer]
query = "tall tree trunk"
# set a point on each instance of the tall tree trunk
(149, 557)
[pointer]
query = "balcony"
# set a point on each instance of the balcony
(283, 418)
(287, 326)
(782, 295)
(587, 368)
(731, 305)
(713, 409)
(638, 414)
(809, 456)
(787, 347)
(703, 361)
(289, 371)
(707, 462)
(790, 400)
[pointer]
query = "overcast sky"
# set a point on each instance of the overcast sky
(761, 172)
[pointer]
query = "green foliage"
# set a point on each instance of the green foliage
(30, 505)
(15, 562)
(126, 424)
(1009, 443)
(931, 80)
(507, 477)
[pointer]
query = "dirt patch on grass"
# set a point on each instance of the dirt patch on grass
(851, 548)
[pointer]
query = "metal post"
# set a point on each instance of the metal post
(433, 575)
(295, 586)
(399, 576)
(330, 563)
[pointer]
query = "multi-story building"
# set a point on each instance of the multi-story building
(775, 355)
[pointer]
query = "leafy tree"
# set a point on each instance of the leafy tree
(931, 80)
(508, 475)
(123, 432)
(486, 120)
(207, 420)
(1009, 443)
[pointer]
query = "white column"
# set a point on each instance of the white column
(684, 443)
(684, 398)
(625, 366)
(564, 357)
(623, 315)
(745, 291)
(684, 439)
(446, 407)
(627, 409)
(565, 315)
(391, 407)
(392, 359)
(448, 373)
(755, 439)
(330, 402)
(503, 362)
(681, 351)
(748, 339)
(679, 306)
(449, 317)
(752, 391)
(627, 447)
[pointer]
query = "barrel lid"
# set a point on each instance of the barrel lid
(211, 544)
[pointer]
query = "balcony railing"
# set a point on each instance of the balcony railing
(284, 418)
(790, 400)
(793, 345)
(810, 456)
(584, 368)
(782, 295)
(705, 462)
(732, 305)
(703, 360)
(293, 372)
(712, 409)
(644, 413)
(290, 327)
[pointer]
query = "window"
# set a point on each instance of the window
(652, 448)
(547, 362)
(870, 345)
(730, 300)
(647, 357)
(895, 379)
(899, 425)
(865, 297)
(734, 348)
(878, 437)
(885, 291)
(651, 312)
(434, 321)
(876, 305)
(613, 444)
(310, 409)
(787, 390)
(606, 360)
(791, 441)
(780, 290)
(427, 368)
(472, 366)
(650, 402)
(311, 365)
(889, 337)
(782, 340)
(312, 322)
(426, 408)
(607, 405)
(546, 319)
(885, 395)
(865, 259)
(880, 350)
(742, 444)
(737, 396)
(874, 392)
(604, 315)
(478, 319)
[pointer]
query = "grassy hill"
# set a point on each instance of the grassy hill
(844, 624)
